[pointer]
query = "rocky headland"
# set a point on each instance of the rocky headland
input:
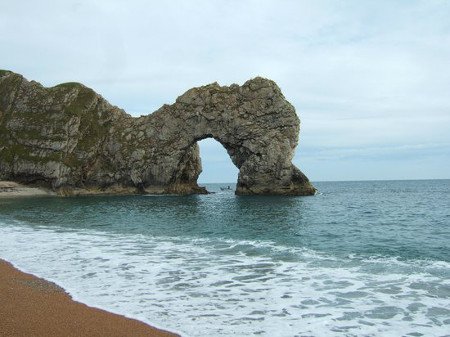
(69, 139)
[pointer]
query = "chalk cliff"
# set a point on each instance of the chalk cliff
(72, 140)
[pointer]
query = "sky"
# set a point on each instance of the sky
(370, 80)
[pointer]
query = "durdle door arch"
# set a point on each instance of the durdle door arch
(82, 143)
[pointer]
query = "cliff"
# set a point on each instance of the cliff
(72, 140)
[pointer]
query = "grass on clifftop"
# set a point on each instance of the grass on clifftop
(4, 72)
(69, 85)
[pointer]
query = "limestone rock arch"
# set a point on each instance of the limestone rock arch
(254, 122)
(72, 139)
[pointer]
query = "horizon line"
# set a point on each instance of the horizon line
(337, 181)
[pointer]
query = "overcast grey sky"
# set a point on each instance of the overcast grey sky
(370, 79)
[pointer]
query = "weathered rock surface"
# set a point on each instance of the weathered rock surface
(71, 139)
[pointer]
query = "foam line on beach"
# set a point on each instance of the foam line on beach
(32, 306)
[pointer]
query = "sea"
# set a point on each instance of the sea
(366, 258)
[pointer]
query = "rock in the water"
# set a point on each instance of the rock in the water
(70, 138)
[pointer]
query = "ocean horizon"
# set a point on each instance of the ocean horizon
(334, 181)
(361, 258)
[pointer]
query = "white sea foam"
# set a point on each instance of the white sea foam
(206, 287)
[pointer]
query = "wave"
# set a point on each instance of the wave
(222, 287)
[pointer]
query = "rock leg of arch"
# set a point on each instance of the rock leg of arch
(70, 138)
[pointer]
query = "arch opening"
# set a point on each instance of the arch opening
(218, 170)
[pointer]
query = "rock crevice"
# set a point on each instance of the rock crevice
(70, 138)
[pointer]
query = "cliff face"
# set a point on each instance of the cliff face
(71, 139)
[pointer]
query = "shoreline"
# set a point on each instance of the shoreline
(32, 306)
(11, 189)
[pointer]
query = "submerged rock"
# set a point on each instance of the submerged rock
(71, 139)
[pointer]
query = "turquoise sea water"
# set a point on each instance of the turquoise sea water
(358, 259)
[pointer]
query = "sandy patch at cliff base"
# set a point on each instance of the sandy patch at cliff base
(30, 306)
(12, 189)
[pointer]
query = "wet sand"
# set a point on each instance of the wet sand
(30, 306)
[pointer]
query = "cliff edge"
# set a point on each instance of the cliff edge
(70, 139)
